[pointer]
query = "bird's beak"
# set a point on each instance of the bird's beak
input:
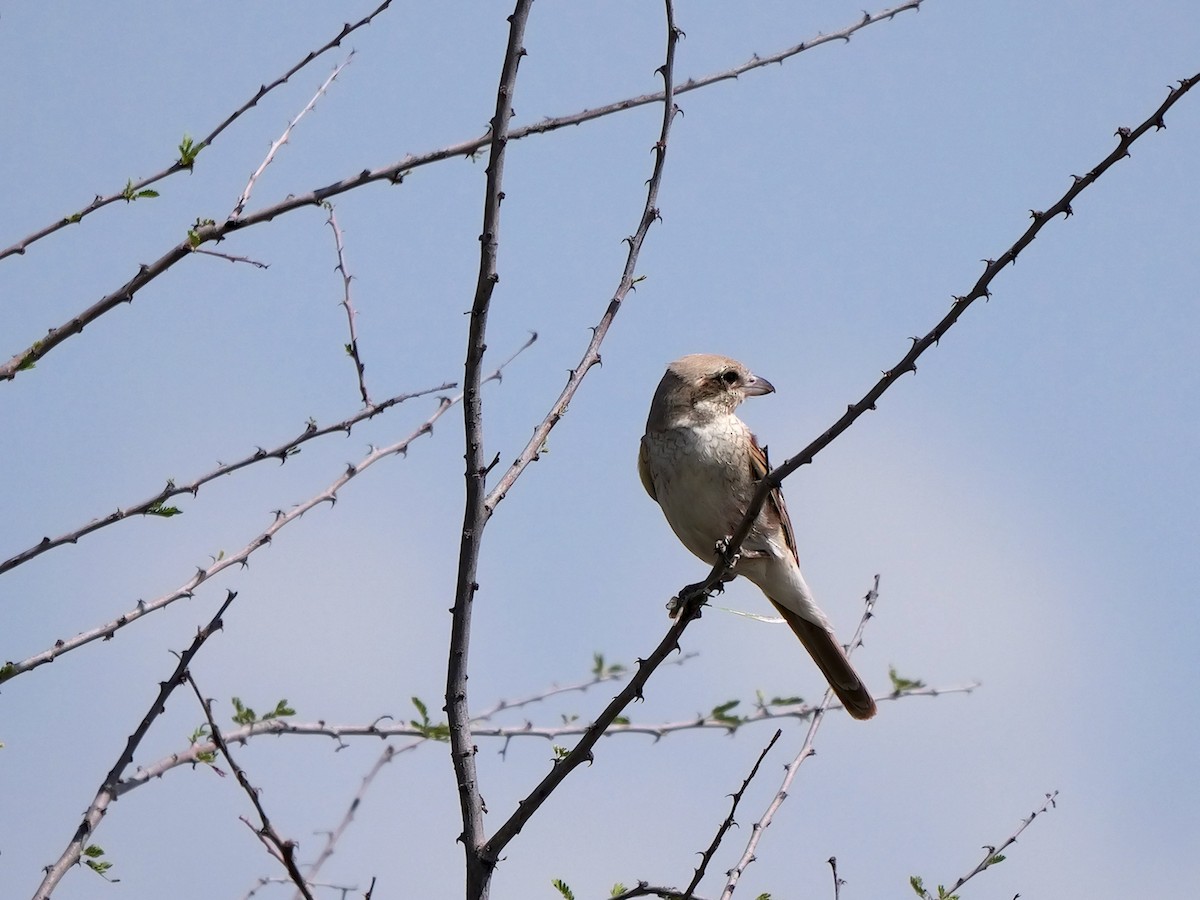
(756, 387)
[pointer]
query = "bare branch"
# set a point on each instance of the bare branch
(223, 562)
(181, 165)
(352, 346)
(806, 750)
(729, 822)
(195, 753)
(907, 363)
(282, 849)
(993, 855)
(153, 505)
(109, 787)
(283, 138)
(462, 749)
(210, 232)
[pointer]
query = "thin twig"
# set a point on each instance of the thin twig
(394, 173)
(229, 257)
(462, 748)
(806, 750)
(244, 198)
(993, 855)
(241, 557)
(837, 882)
(352, 346)
(729, 822)
(193, 754)
(282, 849)
(153, 505)
(179, 165)
(109, 787)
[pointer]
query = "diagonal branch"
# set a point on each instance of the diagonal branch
(993, 855)
(907, 363)
(394, 173)
(180, 165)
(241, 557)
(108, 789)
(729, 822)
(244, 198)
(153, 505)
(283, 850)
(806, 750)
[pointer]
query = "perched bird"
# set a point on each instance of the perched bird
(702, 465)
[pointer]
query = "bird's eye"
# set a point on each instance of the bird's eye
(729, 376)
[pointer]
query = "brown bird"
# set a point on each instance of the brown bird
(702, 465)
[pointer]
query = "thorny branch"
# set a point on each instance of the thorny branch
(993, 855)
(389, 729)
(244, 198)
(284, 850)
(462, 750)
(153, 505)
(582, 751)
(729, 822)
(806, 750)
(180, 165)
(393, 173)
(241, 557)
(109, 787)
(352, 346)
(1125, 138)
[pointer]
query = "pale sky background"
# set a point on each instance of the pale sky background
(1029, 497)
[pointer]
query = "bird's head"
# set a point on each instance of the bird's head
(700, 388)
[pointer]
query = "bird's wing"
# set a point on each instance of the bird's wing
(774, 508)
(644, 470)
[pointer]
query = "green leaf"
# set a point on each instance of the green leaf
(918, 885)
(243, 715)
(621, 720)
(436, 731)
(188, 151)
(617, 890)
(561, 887)
(560, 752)
(721, 714)
(785, 701)
(157, 509)
(903, 684)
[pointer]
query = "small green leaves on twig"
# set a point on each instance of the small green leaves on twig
(899, 684)
(93, 853)
(194, 238)
(563, 889)
(188, 151)
(434, 731)
(244, 715)
(602, 670)
(157, 509)
(208, 757)
(721, 714)
(918, 885)
(129, 194)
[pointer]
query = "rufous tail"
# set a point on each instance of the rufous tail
(831, 659)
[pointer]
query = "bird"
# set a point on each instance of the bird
(702, 465)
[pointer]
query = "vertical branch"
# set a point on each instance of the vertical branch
(582, 751)
(352, 346)
(462, 750)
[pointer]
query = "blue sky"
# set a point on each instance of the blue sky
(1029, 497)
